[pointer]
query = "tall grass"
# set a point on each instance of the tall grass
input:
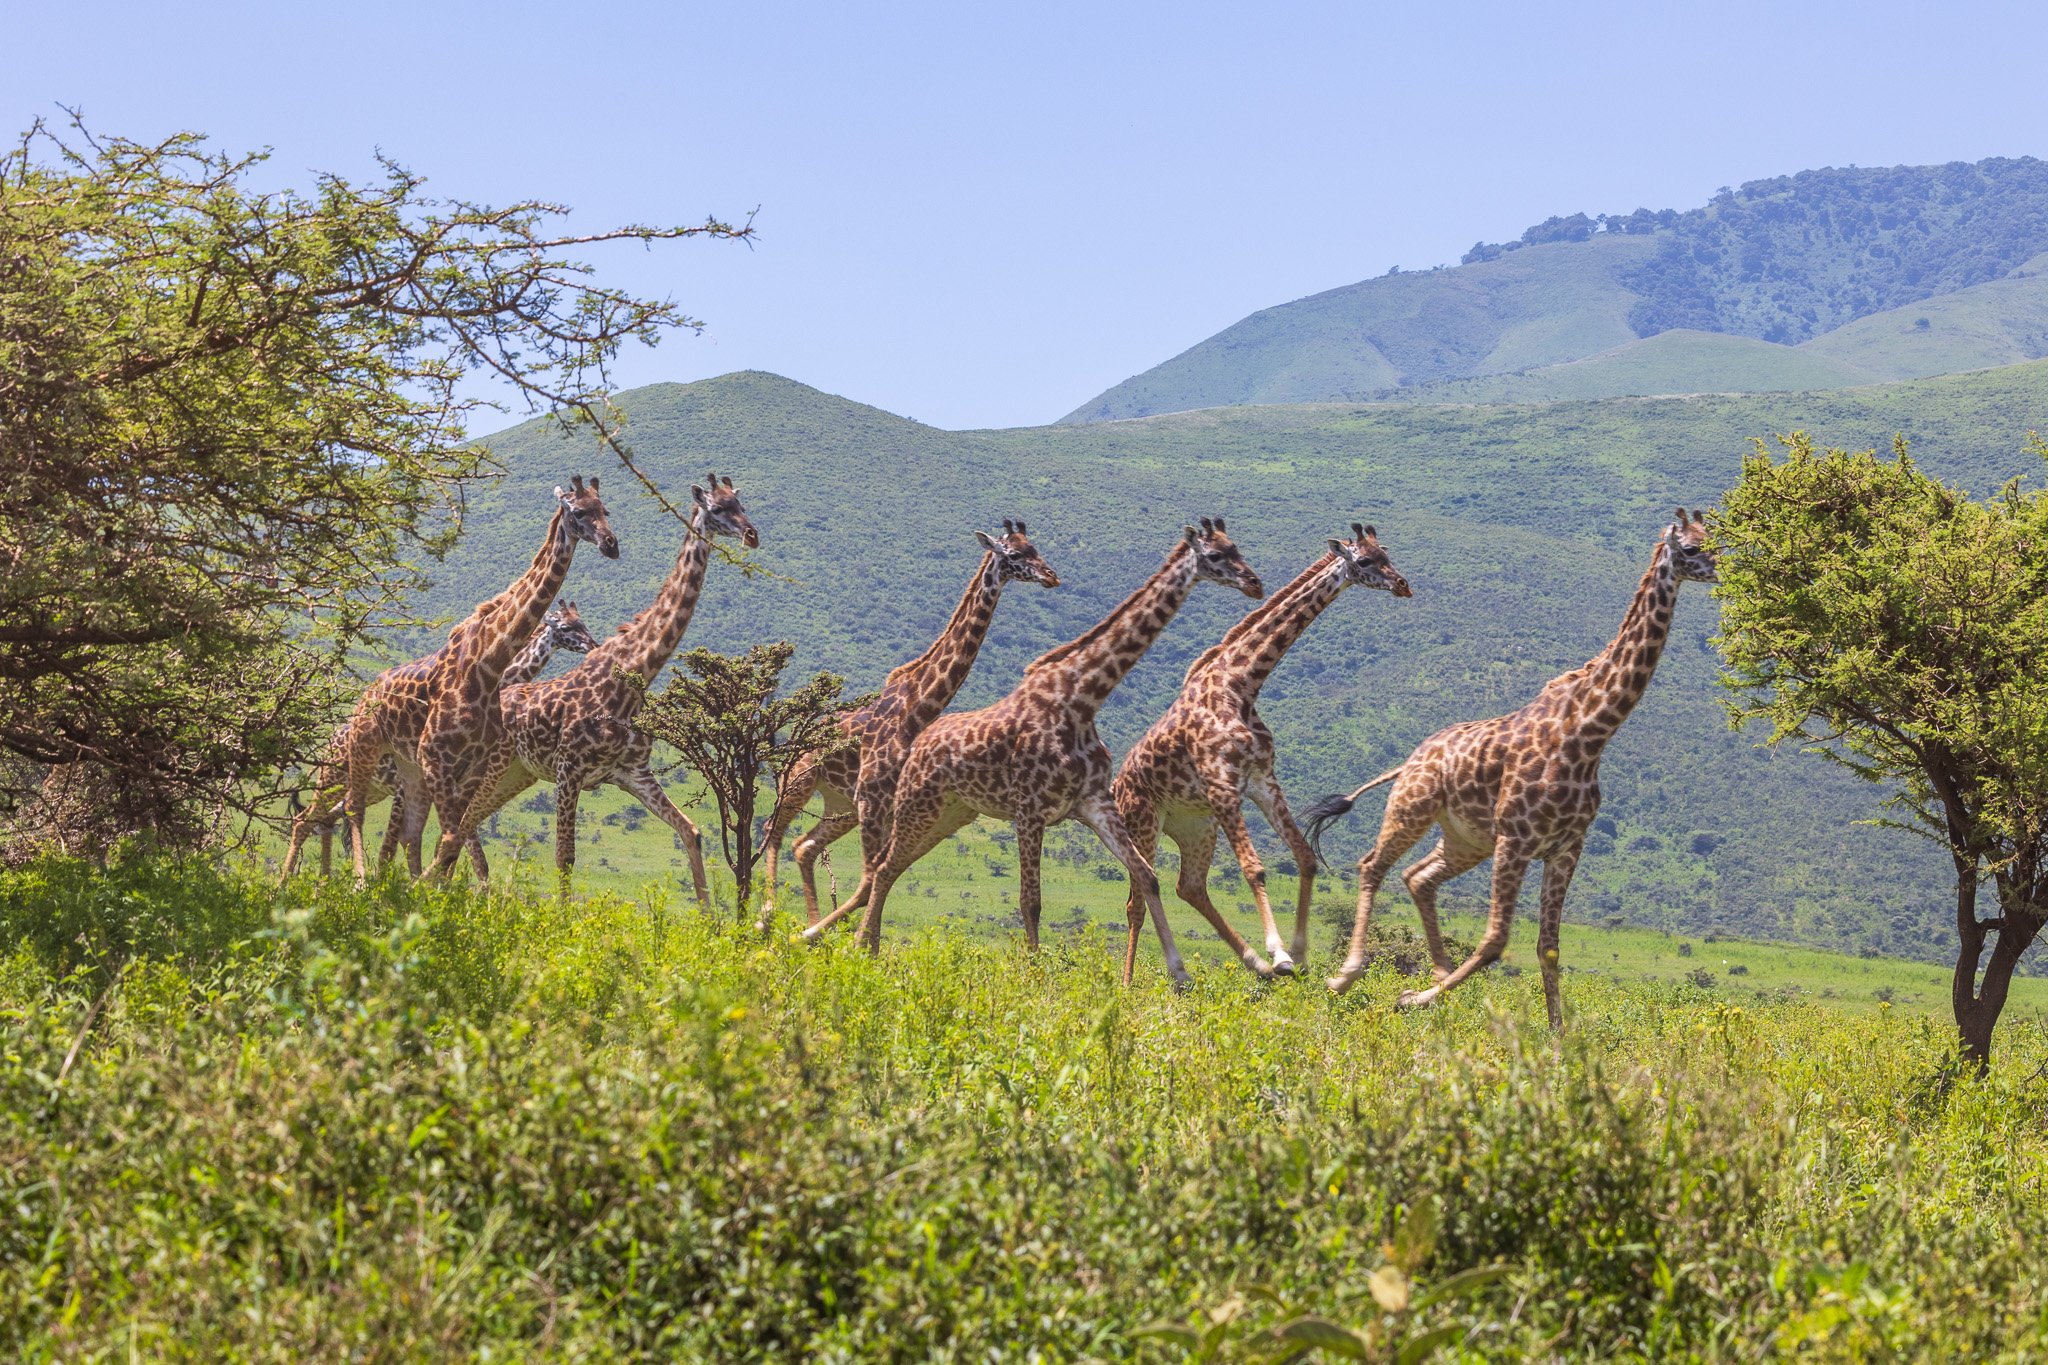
(399, 1125)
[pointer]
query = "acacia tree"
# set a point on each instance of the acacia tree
(230, 418)
(1900, 628)
(722, 715)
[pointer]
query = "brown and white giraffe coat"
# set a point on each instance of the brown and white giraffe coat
(1035, 759)
(562, 628)
(1522, 787)
(1192, 771)
(463, 744)
(859, 781)
(577, 730)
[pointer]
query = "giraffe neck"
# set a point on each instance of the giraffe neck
(926, 685)
(531, 660)
(1253, 648)
(643, 645)
(495, 632)
(1099, 660)
(1610, 684)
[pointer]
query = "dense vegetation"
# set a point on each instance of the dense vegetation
(1523, 529)
(404, 1126)
(229, 417)
(1785, 261)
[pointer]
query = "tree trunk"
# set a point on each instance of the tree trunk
(1977, 1007)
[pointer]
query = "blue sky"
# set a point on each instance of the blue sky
(982, 215)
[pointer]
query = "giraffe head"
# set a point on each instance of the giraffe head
(565, 629)
(723, 515)
(1218, 560)
(583, 513)
(1685, 540)
(1017, 560)
(1366, 564)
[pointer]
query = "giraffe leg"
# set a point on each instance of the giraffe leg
(906, 845)
(1195, 838)
(1405, 822)
(1225, 802)
(1097, 810)
(1445, 861)
(1030, 850)
(1510, 865)
(326, 851)
(1141, 823)
(567, 794)
(647, 787)
(465, 807)
(409, 811)
(789, 808)
(831, 827)
(1557, 879)
(1265, 794)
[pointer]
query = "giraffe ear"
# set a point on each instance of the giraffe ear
(561, 492)
(987, 541)
(696, 495)
(1340, 549)
(1194, 537)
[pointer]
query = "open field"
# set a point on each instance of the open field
(424, 1126)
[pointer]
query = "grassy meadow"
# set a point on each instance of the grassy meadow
(396, 1125)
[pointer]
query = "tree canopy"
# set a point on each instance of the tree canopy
(231, 420)
(1900, 627)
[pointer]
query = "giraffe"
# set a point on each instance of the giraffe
(577, 731)
(463, 747)
(860, 782)
(1192, 771)
(562, 628)
(1035, 759)
(1522, 787)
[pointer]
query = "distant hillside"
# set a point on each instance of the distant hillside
(1784, 261)
(1524, 530)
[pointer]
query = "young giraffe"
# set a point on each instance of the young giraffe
(860, 782)
(1194, 768)
(1035, 759)
(577, 730)
(563, 628)
(463, 745)
(1521, 787)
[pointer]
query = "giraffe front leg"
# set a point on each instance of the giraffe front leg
(1557, 879)
(789, 807)
(1098, 811)
(1030, 850)
(1404, 823)
(1195, 838)
(1445, 861)
(1266, 795)
(906, 846)
(567, 794)
(831, 827)
(644, 785)
(1510, 865)
(1224, 800)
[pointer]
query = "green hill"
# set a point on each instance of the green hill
(1524, 530)
(1784, 261)
(1675, 362)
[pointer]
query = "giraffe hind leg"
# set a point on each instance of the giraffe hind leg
(1194, 837)
(1510, 865)
(1408, 818)
(1266, 795)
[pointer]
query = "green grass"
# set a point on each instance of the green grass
(389, 1125)
(2002, 322)
(1673, 362)
(1523, 529)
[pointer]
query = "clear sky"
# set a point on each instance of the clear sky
(984, 214)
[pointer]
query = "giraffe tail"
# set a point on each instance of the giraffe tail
(1328, 811)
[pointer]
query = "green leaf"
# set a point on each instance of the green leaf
(1177, 1332)
(1428, 1344)
(1325, 1335)
(1462, 1284)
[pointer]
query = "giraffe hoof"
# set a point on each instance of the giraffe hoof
(1284, 965)
(1183, 984)
(1414, 1000)
(1341, 982)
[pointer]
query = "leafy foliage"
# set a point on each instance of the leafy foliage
(1898, 626)
(227, 419)
(437, 1123)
